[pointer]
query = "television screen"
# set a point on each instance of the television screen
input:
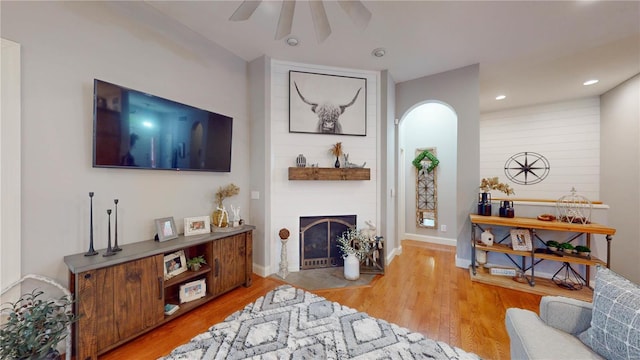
(132, 129)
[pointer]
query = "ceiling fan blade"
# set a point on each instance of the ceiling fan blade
(245, 10)
(286, 19)
(320, 20)
(356, 10)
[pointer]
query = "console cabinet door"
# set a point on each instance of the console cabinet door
(117, 303)
(229, 263)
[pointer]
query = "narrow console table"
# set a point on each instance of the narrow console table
(537, 253)
(123, 296)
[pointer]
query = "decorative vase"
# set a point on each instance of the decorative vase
(337, 164)
(220, 218)
(195, 267)
(351, 267)
(301, 161)
(484, 204)
(506, 209)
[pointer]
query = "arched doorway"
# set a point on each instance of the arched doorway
(430, 124)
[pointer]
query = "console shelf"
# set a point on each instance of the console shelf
(538, 252)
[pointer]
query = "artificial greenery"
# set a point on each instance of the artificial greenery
(225, 192)
(565, 246)
(487, 184)
(417, 162)
(34, 326)
(552, 243)
(582, 249)
(353, 242)
(195, 262)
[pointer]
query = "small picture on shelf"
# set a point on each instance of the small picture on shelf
(166, 229)
(521, 239)
(174, 264)
(169, 309)
(197, 225)
(192, 290)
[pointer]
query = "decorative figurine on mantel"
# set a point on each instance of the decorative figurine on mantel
(284, 264)
(220, 217)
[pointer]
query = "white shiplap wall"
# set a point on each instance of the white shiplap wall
(566, 133)
(292, 199)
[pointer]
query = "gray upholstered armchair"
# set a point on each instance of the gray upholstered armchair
(553, 334)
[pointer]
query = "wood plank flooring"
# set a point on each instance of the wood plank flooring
(421, 290)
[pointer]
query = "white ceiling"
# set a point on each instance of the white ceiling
(532, 51)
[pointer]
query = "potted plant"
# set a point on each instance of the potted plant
(583, 250)
(566, 247)
(34, 326)
(195, 263)
(354, 247)
(552, 245)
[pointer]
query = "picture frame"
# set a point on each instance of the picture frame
(193, 290)
(327, 104)
(197, 225)
(166, 229)
(174, 264)
(521, 239)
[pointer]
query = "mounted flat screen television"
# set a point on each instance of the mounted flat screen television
(136, 130)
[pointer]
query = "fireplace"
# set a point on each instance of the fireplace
(318, 234)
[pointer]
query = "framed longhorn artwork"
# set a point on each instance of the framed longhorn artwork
(327, 104)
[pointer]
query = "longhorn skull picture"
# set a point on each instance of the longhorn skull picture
(328, 103)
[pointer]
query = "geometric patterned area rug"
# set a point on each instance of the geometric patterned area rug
(290, 323)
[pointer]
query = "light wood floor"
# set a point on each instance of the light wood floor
(421, 290)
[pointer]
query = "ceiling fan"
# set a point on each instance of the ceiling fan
(358, 13)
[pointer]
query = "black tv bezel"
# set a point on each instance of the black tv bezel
(94, 133)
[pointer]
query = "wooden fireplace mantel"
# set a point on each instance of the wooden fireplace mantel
(318, 173)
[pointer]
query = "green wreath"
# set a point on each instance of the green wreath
(417, 162)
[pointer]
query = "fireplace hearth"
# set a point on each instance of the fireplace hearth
(318, 244)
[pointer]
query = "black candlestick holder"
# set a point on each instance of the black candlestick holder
(91, 251)
(116, 248)
(110, 251)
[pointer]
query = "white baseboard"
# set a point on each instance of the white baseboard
(260, 270)
(431, 239)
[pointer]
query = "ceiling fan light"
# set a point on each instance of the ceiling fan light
(292, 41)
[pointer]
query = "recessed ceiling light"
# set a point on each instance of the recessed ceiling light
(501, 97)
(379, 52)
(291, 41)
(590, 82)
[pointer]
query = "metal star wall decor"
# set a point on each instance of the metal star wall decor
(527, 168)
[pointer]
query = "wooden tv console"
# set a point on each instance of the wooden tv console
(123, 296)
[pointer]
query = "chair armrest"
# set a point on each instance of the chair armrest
(569, 315)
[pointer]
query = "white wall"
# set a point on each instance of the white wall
(65, 46)
(388, 223)
(459, 89)
(292, 199)
(566, 133)
(431, 125)
(10, 208)
(620, 175)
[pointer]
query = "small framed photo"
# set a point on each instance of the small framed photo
(174, 264)
(193, 290)
(521, 239)
(166, 229)
(197, 225)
